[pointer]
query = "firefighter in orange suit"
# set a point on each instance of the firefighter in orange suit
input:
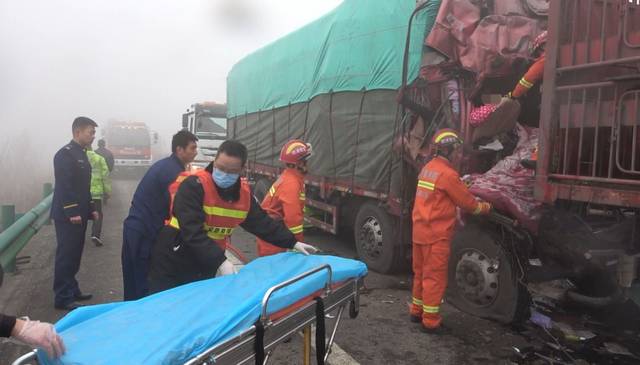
(535, 72)
(285, 199)
(206, 207)
(438, 193)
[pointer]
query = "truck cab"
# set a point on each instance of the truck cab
(208, 121)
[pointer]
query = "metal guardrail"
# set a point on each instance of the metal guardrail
(16, 234)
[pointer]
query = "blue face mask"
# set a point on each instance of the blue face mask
(223, 179)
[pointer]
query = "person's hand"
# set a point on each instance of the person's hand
(226, 268)
(40, 335)
(304, 248)
(485, 208)
(76, 219)
(95, 215)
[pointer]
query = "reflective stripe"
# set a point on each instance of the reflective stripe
(430, 309)
(416, 301)
(303, 196)
(297, 229)
(426, 185)
(174, 223)
(70, 206)
(525, 83)
(218, 233)
(180, 178)
(272, 191)
(445, 134)
(223, 212)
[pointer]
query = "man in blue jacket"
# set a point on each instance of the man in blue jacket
(71, 209)
(149, 209)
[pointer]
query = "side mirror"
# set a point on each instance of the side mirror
(155, 137)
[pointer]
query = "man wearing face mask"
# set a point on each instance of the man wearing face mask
(206, 207)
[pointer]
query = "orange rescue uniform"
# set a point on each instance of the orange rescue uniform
(285, 200)
(438, 193)
(530, 78)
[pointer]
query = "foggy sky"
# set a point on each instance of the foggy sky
(145, 60)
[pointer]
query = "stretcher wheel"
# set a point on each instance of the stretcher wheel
(353, 310)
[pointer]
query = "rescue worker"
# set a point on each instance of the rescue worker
(36, 334)
(71, 209)
(104, 152)
(149, 209)
(536, 70)
(100, 191)
(206, 207)
(285, 199)
(438, 193)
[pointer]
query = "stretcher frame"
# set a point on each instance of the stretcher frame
(241, 348)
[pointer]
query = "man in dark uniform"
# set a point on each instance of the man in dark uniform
(189, 248)
(71, 209)
(104, 152)
(149, 209)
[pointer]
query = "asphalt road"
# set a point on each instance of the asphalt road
(381, 334)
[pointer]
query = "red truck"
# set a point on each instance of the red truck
(575, 216)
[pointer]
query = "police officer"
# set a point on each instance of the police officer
(72, 207)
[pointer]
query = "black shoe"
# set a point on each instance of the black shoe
(83, 297)
(440, 330)
(96, 241)
(415, 319)
(69, 307)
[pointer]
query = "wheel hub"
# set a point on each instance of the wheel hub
(477, 277)
(371, 237)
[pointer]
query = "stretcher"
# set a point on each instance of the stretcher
(280, 314)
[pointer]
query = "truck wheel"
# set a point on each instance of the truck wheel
(262, 186)
(483, 277)
(375, 235)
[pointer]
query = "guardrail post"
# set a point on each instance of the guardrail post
(7, 216)
(47, 189)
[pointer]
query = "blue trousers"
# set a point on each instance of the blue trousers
(70, 239)
(136, 249)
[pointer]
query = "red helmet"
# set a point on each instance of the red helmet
(295, 151)
(446, 137)
(540, 41)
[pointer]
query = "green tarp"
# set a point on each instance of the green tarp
(359, 45)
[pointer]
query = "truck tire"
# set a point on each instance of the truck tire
(375, 238)
(484, 278)
(260, 189)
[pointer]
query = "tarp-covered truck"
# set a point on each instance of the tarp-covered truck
(574, 215)
(333, 83)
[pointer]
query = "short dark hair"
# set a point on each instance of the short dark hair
(182, 139)
(234, 148)
(82, 123)
(101, 143)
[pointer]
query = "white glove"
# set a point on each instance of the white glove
(304, 248)
(41, 335)
(226, 268)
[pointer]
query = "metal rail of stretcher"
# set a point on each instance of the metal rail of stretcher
(240, 349)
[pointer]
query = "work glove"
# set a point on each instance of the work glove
(485, 208)
(304, 248)
(40, 335)
(226, 268)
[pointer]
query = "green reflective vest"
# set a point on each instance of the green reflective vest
(100, 181)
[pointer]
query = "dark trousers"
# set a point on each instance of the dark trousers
(96, 227)
(70, 239)
(136, 249)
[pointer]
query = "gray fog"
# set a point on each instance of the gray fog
(143, 60)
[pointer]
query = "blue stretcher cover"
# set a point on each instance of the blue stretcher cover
(172, 327)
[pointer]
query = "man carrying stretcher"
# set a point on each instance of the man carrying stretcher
(206, 206)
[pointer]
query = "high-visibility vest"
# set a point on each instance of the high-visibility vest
(221, 217)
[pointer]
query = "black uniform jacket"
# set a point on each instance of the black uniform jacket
(188, 254)
(71, 194)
